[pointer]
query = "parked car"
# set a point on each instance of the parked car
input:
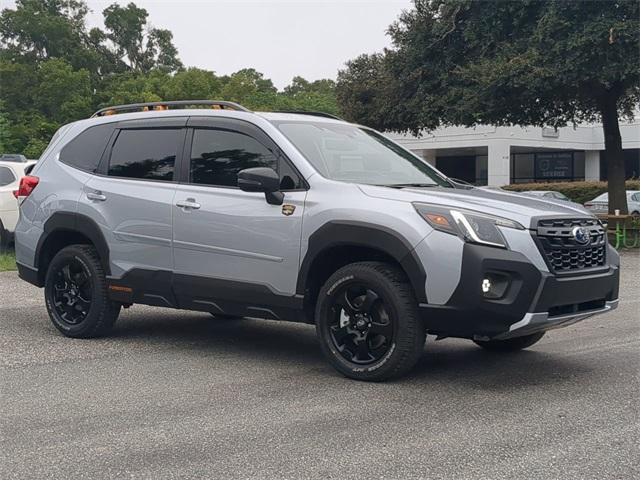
(600, 204)
(550, 194)
(10, 175)
(13, 157)
(300, 217)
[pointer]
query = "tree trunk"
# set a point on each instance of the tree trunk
(613, 153)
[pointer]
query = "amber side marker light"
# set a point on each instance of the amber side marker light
(438, 219)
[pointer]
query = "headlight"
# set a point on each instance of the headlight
(472, 226)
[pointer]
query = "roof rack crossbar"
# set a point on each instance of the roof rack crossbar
(315, 114)
(138, 107)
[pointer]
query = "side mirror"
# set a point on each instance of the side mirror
(261, 179)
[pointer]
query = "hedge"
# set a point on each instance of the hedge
(579, 192)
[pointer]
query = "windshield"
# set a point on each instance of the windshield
(353, 154)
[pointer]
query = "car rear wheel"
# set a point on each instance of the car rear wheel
(511, 344)
(76, 293)
(367, 322)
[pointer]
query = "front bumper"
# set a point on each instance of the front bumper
(538, 322)
(534, 300)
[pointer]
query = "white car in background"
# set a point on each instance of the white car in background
(10, 175)
(550, 194)
(600, 204)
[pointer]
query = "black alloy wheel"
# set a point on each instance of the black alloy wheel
(72, 291)
(361, 328)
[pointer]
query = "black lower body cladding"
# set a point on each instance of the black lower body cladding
(471, 312)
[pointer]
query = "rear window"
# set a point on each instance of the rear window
(145, 154)
(85, 151)
(6, 176)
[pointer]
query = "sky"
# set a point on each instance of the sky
(280, 38)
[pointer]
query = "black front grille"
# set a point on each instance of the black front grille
(563, 252)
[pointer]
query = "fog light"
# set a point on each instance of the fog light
(494, 285)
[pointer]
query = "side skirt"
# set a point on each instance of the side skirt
(189, 292)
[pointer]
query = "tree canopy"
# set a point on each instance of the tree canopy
(53, 70)
(531, 62)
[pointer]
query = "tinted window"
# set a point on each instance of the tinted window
(218, 155)
(6, 176)
(148, 154)
(84, 151)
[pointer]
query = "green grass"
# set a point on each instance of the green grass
(7, 261)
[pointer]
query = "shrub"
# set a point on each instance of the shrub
(579, 192)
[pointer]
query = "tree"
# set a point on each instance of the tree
(39, 30)
(53, 71)
(193, 84)
(136, 47)
(532, 62)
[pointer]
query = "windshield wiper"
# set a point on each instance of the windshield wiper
(409, 185)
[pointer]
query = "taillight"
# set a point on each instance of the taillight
(587, 205)
(27, 185)
(15, 193)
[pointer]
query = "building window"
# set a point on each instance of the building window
(631, 163)
(547, 167)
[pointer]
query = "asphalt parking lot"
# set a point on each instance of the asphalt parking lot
(176, 394)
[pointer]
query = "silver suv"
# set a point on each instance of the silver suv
(288, 216)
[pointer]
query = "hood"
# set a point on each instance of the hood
(514, 206)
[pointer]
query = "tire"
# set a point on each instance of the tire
(367, 322)
(76, 295)
(512, 344)
(4, 238)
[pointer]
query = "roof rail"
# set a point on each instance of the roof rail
(315, 114)
(143, 107)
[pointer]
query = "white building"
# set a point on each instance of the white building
(501, 155)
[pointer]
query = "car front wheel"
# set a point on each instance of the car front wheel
(367, 322)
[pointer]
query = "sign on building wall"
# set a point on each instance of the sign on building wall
(554, 165)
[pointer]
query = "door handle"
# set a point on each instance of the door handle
(188, 204)
(97, 196)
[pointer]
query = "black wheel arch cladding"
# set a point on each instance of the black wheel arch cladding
(361, 234)
(72, 222)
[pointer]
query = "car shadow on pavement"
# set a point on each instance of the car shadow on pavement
(204, 333)
(462, 362)
(452, 360)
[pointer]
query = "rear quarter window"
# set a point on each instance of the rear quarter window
(85, 151)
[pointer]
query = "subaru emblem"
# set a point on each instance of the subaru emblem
(581, 235)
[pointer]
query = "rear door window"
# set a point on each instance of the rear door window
(145, 154)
